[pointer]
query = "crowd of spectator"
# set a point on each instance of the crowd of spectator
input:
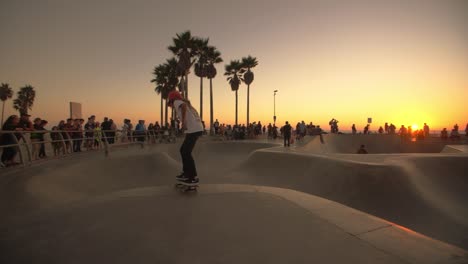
(73, 135)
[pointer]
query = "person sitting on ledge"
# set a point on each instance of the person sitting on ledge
(362, 150)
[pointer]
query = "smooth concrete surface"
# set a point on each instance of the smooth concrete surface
(218, 224)
(417, 192)
(455, 149)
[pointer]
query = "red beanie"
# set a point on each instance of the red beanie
(174, 95)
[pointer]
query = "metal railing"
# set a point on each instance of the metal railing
(26, 145)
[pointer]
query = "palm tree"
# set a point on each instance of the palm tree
(25, 99)
(166, 80)
(213, 56)
(157, 72)
(248, 63)
(184, 48)
(200, 66)
(234, 71)
(5, 93)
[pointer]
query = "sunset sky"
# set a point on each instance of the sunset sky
(399, 61)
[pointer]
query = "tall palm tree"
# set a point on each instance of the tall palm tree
(248, 63)
(5, 93)
(184, 48)
(25, 99)
(200, 67)
(157, 72)
(166, 80)
(234, 73)
(213, 57)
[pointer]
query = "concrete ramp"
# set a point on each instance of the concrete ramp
(426, 194)
(374, 144)
(455, 149)
(222, 223)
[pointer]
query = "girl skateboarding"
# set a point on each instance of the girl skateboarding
(193, 128)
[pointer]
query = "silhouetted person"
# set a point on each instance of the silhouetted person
(9, 153)
(454, 135)
(106, 127)
(386, 128)
(381, 130)
(362, 150)
(466, 130)
(287, 133)
(216, 127)
(366, 129)
(140, 130)
(426, 130)
(25, 123)
(391, 129)
(444, 133)
(111, 135)
(333, 125)
(353, 128)
(42, 153)
(193, 128)
(410, 131)
(403, 131)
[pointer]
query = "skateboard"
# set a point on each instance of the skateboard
(185, 188)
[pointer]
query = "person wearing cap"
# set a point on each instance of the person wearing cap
(193, 128)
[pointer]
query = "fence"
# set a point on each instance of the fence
(27, 146)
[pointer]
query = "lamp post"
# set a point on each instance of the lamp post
(274, 107)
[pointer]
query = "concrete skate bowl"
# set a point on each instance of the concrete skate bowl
(406, 189)
(82, 176)
(425, 193)
(375, 144)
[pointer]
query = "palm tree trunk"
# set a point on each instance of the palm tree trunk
(161, 110)
(3, 111)
(248, 104)
(165, 115)
(186, 86)
(201, 98)
(236, 107)
(211, 106)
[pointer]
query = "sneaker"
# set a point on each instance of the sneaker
(181, 177)
(190, 182)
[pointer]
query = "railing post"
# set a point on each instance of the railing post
(28, 150)
(19, 148)
(106, 144)
(64, 146)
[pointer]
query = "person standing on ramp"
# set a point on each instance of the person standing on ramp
(287, 133)
(193, 128)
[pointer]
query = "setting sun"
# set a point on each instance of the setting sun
(414, 127)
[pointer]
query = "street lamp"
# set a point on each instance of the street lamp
(274, 107)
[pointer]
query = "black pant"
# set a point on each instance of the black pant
(287, 139)
(8, 154)
(188, 164)
(42, 152)
(77, 145)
